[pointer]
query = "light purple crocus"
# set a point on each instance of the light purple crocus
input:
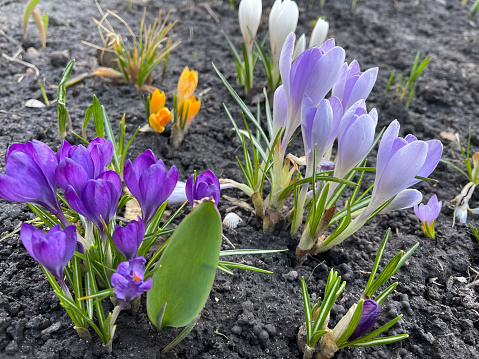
(53, 250)
(128, 281)
(354, 85)
(128, 239)
(404, 199)
(319, 127)
(97, 199)
(369, 317)
(427, 214)
(355, 138)
(399, 161)
(313, 74)
(206, 185)
(149, 182)
(30, 176)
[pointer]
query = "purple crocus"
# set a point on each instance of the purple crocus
(78, 164)
(427, 214)
(354, 85)
(128, 239)
(97, 199)
(30, 176)
(206, 185)
(128, 281)
(369, 317)
(52, 250)
(404, 199)
(149, 182)
(313, 74)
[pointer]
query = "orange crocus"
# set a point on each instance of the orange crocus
(190, 109)
(159, 114)
(186, 86)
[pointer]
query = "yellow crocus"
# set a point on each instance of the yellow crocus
(190, 109)
(186, 86)
(160, 119)
(157, 101)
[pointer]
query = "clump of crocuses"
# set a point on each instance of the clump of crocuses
(427, 214)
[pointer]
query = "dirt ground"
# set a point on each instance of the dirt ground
(438, 287)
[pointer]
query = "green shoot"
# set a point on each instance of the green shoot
(406, 86)
(41, 22)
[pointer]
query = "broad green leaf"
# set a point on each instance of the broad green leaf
(187, 268)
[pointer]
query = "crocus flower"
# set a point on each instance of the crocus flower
(319, 34)
(190, 110)
(249, 14)
(52, 250)
(128, 281)
(354, 85)
(30, 176)
(159, 114)
(369, 317)
(178, 196)
(186, 86)
(427, 214)
(149, 182)
(313, 74)
(128, 239)
(97, 199)
(206, 185)
(399, 161)
(355, 138)
(283, 19)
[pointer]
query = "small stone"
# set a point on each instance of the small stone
(291, 276)
(12, 348)
(257, 329)
(263, 336)
(270, 329)
(60, 58)
(236, 330)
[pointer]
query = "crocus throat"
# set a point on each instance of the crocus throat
(136, 278)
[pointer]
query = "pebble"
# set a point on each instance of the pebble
(291, 276)
(270, 329)
(236, 330)
(263, 335)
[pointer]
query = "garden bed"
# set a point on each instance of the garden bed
(253, 315)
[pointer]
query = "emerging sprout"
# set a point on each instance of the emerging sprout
(41, 22)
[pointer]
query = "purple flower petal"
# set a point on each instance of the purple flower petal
(404, 199)
(369, 317)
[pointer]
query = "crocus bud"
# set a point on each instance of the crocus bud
(128, 281)
(319, 34)
(427, 214)
(283, 19)
(249, 14)
(369, 317)
(128, 239)
(206, 185)
(52, 250)
(30, 176)
(186, 86)
(149, 182)
(159, 114)
(299, 47)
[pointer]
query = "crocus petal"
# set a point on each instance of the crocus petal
(434, 153)
(71, 173)
(363, 86)
(249, 14)
(280, 110)
(385, 146)
(285, 61)
(283, 19)
(404, 199)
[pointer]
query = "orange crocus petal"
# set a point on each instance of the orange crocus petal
(190, 109)
(186, 85)
(159, 120)
(157, 101)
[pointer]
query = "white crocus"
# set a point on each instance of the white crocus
(283, 19)
(249, 14)
(300, 46)
(319, 34)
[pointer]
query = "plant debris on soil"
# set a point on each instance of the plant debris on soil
(254, 315)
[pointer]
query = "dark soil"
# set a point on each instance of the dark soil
(253, 315)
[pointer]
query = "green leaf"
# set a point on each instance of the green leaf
(26, 15)
(61, 102)
(187, 268)
(382, 341)
(224, 264)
